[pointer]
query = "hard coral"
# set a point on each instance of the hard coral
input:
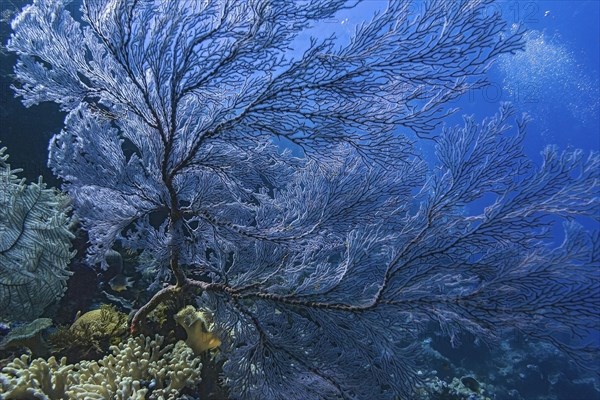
(120, 375)
(23, 379)
(104, 321)
(91, 334)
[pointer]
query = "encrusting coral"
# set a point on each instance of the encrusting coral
(138, 369)
(90, 334)
(104, 321)
(199, 326)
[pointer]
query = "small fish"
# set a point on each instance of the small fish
(120, 283)
(114, 260)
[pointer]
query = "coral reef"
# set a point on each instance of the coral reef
(104, 321)
(140, 368)
(159, 315)
(465, 388)
(34, 245)
(322, 262)
(162, 319)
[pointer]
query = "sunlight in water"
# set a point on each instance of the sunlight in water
(548, 78)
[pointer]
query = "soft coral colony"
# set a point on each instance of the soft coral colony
(316, 272)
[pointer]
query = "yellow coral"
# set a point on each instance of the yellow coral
(198, 326)
(91, 334)
(105, 321)
(159, 314)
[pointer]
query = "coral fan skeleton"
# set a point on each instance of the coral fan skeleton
(319, 271)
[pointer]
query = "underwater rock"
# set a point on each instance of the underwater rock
(470, 383)
(118, 300)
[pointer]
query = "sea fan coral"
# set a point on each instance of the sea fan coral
(34, 245)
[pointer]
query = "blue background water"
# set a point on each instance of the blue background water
(556, 80)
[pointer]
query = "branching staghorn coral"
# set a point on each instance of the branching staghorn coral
(35, 240)
(124, 375)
